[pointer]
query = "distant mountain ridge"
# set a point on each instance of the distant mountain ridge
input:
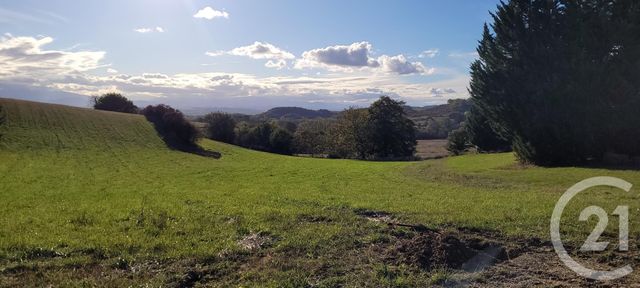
(299, 113)
(432, 122)
(296, 113)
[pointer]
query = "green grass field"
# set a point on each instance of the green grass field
(95, 198)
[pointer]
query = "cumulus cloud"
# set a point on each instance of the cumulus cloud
(26, 63)
(26, 56)
(440, 92)
(431, 53)
(355, 55)
(399, 65)
(261, 50)
(210, 13)
(358, 56)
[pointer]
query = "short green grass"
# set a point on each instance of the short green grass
(83, 187)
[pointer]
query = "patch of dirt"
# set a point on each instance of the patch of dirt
(381, 251)
(543, 268)
(432, 250)
(376, 216)
(256, 241)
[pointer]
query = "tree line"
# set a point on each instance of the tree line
(381, 132)
(557, 81)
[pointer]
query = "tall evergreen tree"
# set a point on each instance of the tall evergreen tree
(481, 134)
(560, 78)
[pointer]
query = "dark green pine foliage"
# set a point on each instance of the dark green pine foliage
(481, 135)
(560, 79)
(622, 113)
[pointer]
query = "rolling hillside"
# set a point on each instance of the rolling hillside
(95, 198)
(34, 126)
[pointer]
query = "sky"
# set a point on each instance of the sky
(244, 54)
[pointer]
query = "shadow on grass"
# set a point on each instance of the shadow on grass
(176, 144)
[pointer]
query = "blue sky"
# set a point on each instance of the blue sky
(234, 53)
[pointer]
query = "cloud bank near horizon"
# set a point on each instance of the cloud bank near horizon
(357, 78)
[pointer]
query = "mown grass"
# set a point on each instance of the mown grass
(83, 188)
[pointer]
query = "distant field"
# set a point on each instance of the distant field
(432, 149)
(95, 198)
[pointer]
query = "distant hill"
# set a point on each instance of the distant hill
(453, 106)
(432, 122)
(436, 122)
(199, 111)
(296, 113)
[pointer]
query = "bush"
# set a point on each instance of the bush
(220, 127)
(457, 142)
(114, 102)
(171, 124)
(280, 141)
(264, 136)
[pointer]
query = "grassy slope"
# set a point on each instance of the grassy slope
(84, 183)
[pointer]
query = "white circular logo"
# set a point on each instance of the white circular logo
(592, 244)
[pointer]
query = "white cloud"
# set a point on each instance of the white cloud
(431, 53)
(22, 56)
(154, 76)
(399, 64)
(440, 92)
(278, 64)
(215, 53)
(144, 30)
(261, 50)
(358, 56)
(210, 13)
(26, 62)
